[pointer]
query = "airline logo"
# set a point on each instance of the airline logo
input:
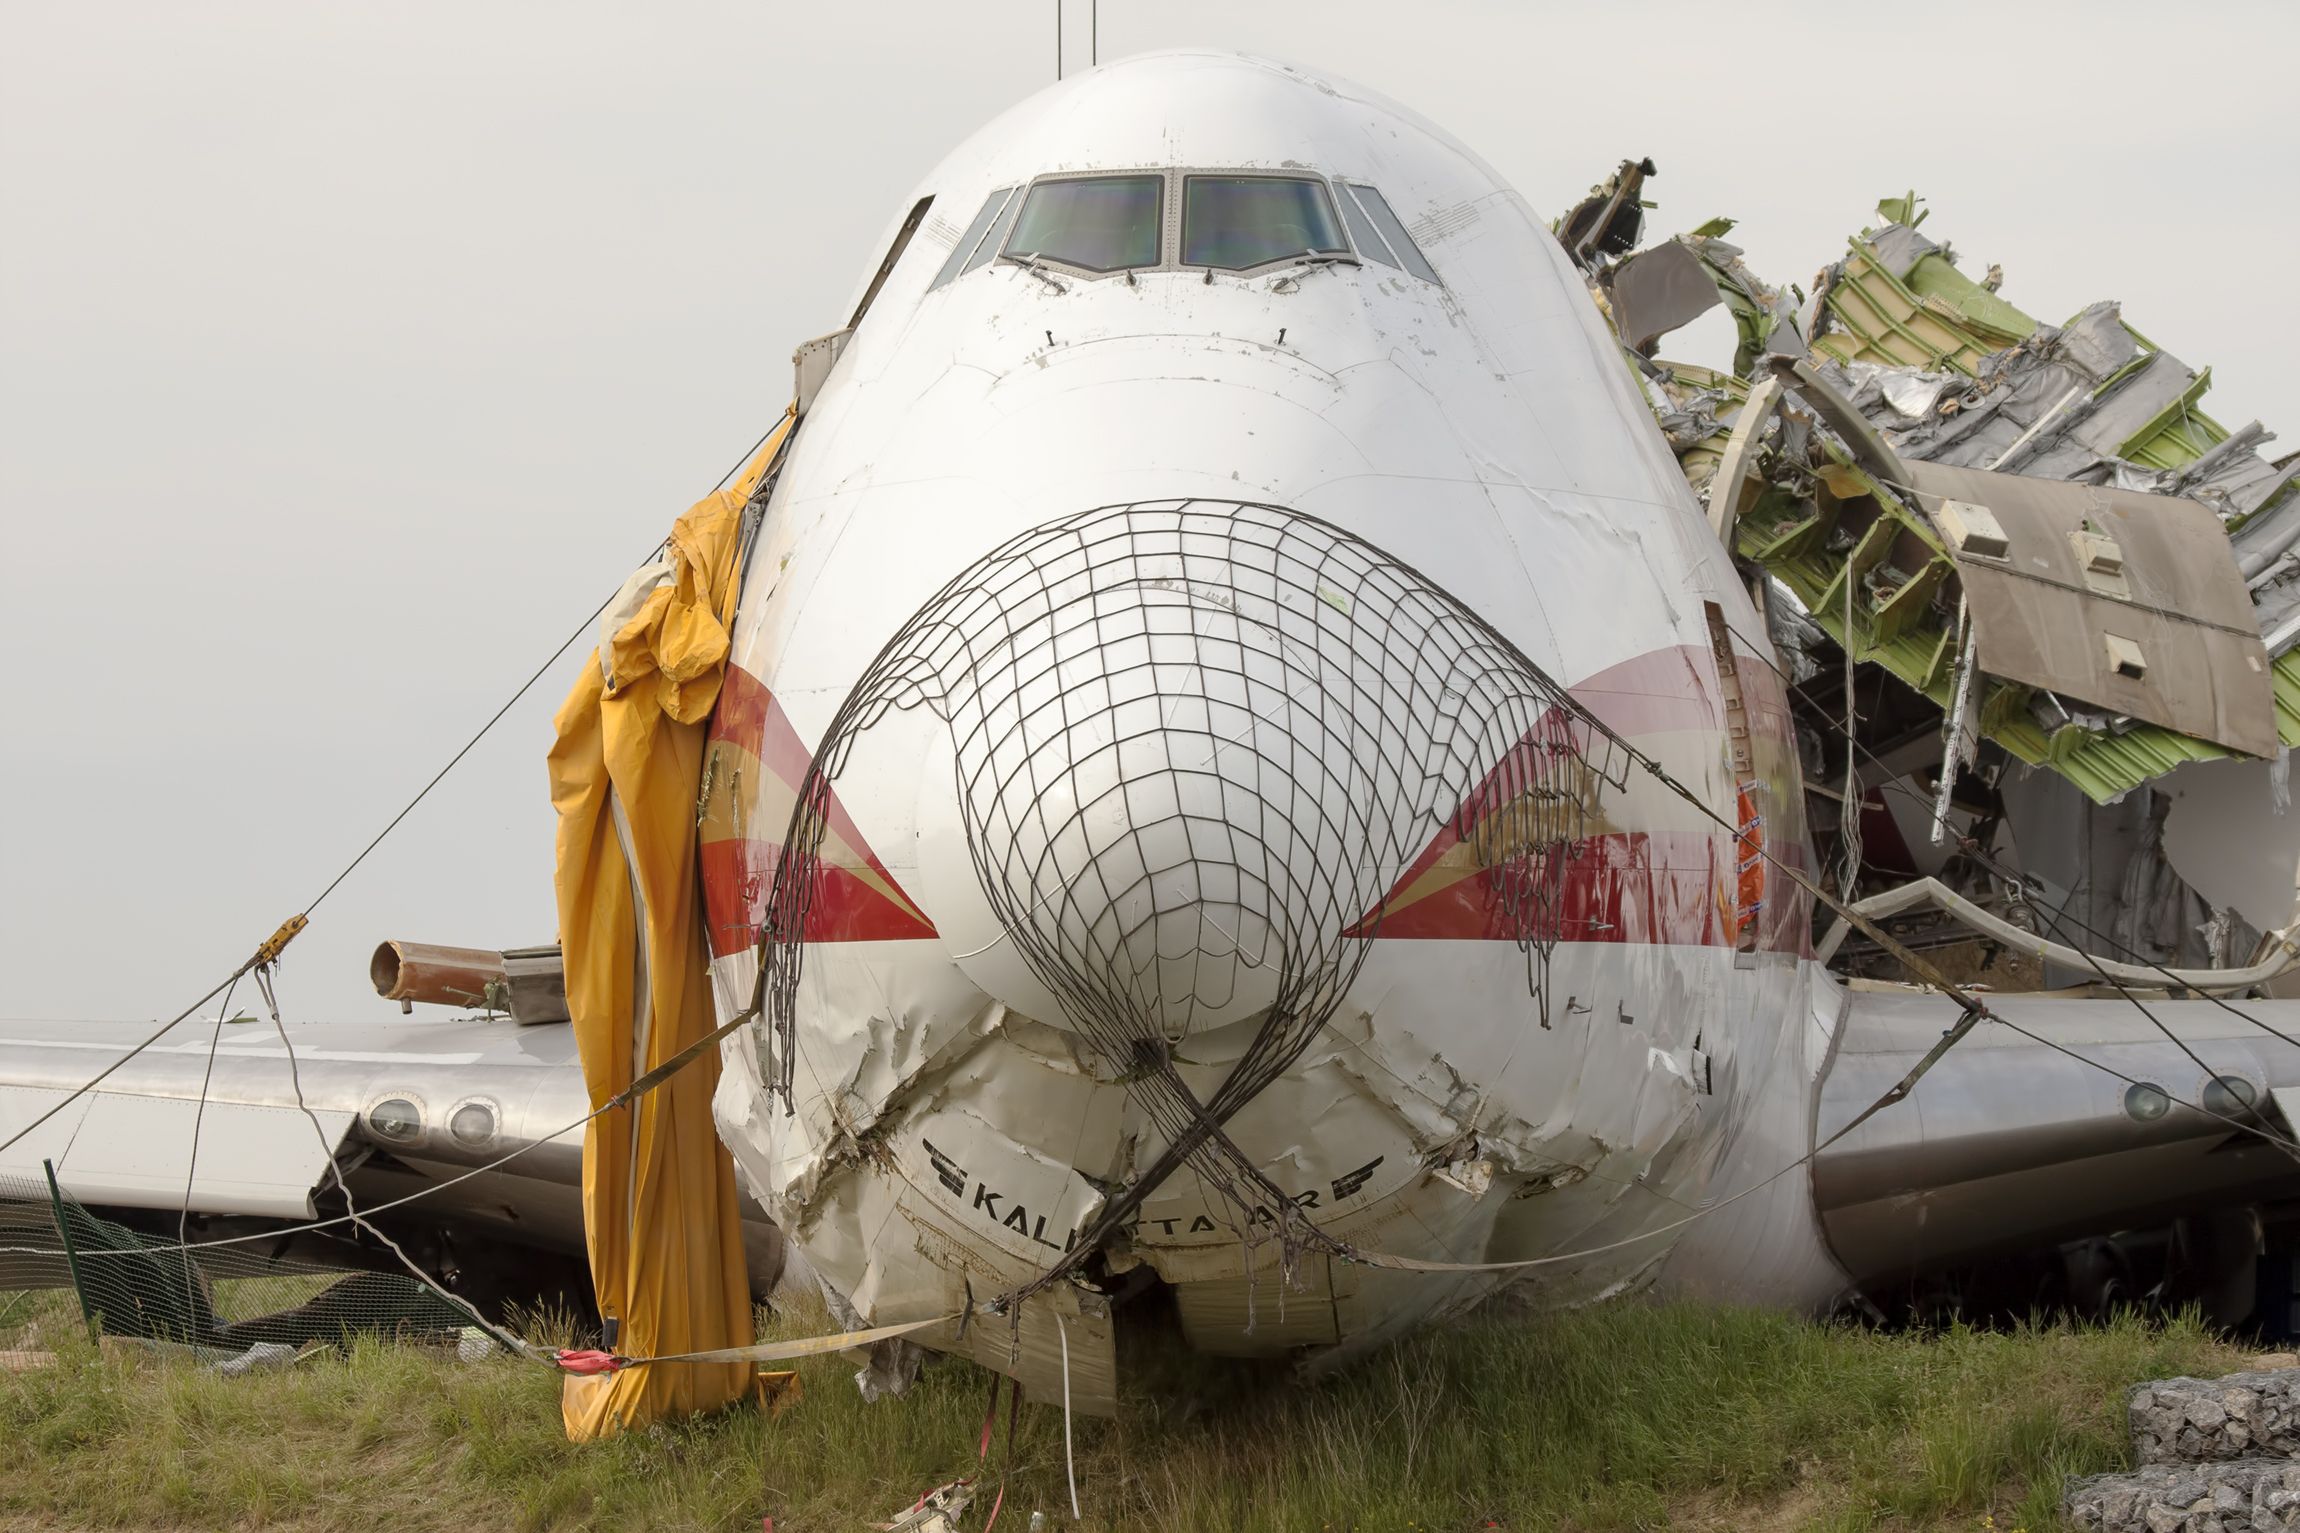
(753, 765)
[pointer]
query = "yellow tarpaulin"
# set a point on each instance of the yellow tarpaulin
(659, 1197)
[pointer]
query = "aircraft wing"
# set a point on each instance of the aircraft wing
(402, 1106)
(405, 1107)
(2067, 1119)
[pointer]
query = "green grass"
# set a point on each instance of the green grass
(1626, 1416)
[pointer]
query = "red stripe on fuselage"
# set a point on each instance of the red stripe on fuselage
(847, 903)
(749, 717)
(1627, 886)
(1678, 887)
(843, 907)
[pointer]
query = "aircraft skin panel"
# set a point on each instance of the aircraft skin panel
(1771, 1249)
(132, 1152)
(21, 1106)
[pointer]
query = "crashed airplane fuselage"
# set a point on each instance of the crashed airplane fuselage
(1208, 871)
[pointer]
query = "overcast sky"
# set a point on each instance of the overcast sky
(350, 354)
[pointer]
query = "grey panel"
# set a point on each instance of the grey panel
(2152, 389)
(1658, 290)
(2040, 622)
(1899, 248)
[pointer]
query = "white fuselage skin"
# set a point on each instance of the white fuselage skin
(1487, 431)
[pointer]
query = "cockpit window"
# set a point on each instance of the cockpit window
(1401, 251)
(1096, 223)
(1236, 222)
(967, 253)
(1239, 221)
(987, 251)
(1371, 245)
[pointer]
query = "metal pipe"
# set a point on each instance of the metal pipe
(1931, 891)
(1954, 755)
(439, 976)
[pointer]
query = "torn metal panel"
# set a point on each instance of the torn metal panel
(1609, 221)
(1696, 411)
(1912, 362)
(1734, 486)
(1898, 300)
(1660, 290)
(2232, 840)
(811, 364)
(1763, 315)
(2130, 602)
(1947, 370)
(1868, 446)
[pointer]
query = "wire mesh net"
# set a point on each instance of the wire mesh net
(1195, 745)
(63, 1267)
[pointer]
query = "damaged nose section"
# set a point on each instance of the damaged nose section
(1193, 747)
(1169, 770)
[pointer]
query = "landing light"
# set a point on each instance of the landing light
(396, 1119)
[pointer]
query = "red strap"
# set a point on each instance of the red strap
(989, 1420)
(588, 1362)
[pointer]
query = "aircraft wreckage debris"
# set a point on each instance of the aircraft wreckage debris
(1955, 491)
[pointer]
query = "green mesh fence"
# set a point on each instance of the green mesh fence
(64, 1268)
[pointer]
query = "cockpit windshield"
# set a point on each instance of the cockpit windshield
(1228, 220)
(1095, 223)
(1236, 222)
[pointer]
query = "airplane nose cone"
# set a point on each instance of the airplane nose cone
(1157, 784)
(1150, 817)
(1191, 748)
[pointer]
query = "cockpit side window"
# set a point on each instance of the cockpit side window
(1403, 252)
(1370, 243)
(967, 253)
(1095, 223)
(988, 250)
(1237, 222)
